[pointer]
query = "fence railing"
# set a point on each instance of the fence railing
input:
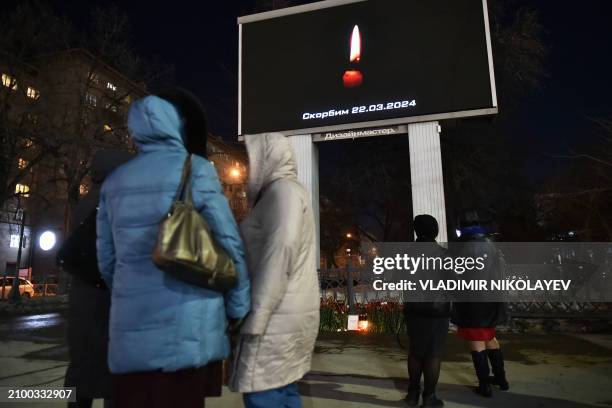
(45, 289)
(352, 287)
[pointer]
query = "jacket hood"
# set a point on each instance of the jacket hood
(271, 157)
(155, 123)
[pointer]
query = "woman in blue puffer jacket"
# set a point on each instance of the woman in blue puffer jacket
(165, 335)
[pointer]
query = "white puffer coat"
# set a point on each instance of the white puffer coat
(278, 336)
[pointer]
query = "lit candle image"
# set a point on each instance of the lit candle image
(353, 77)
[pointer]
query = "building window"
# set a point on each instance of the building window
(91, 100)
(9, 82)
(83, 189)
(111, 107)
(14, 241)
(32, 93)
(27, 143)
(22, 189)
(127, 99)
(107, 128)
(95, 78)
(22, 164)
(111, 86)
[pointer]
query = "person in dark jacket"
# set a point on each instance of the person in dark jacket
(427, 325)
(89, 305)
(476, 321)
(167, 337)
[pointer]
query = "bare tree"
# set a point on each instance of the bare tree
(480, 157)
(581, 197)
(86, 84)
(29, 31)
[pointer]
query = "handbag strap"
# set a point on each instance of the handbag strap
(184, 190)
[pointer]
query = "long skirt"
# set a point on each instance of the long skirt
(157, 389)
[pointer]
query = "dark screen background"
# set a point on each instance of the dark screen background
(433, 52)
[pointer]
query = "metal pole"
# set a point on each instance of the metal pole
(349, 288)
(16, 296)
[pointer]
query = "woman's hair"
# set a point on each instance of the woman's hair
(194, 117)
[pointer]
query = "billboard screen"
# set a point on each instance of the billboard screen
(326, 65)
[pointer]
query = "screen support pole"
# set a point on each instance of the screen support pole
(426, 173)
(307, 157)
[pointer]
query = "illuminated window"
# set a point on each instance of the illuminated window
(22, 164)
(14, 241)
(22, 189)
(91, 100)
(9, 82)
(107, 128)
(111, 107)
(111, 86)
(83, 189)
(95, 78)
(32, 93)
(28, 143)
(128, 99)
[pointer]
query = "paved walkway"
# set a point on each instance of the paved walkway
(369, 371)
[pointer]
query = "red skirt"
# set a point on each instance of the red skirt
(476, 333)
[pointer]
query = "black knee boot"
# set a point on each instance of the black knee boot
(497, 366)
(481, 365)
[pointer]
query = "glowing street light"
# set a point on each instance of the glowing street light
(235, 172)
(47, 240)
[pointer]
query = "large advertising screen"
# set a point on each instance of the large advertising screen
(338, 64)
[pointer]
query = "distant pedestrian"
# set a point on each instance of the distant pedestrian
(476, 321)
(278, 337)
(89, 301)
(167, 337)
(427, 324)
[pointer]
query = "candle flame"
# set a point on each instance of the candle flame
(355, 45)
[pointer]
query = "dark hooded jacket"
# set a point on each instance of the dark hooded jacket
(88, 305)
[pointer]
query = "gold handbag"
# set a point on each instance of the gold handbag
(185, 248)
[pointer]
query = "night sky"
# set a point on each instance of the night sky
(201, 41)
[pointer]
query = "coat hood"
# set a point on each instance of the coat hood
(271, 157)
(155, 123)
(103, 163)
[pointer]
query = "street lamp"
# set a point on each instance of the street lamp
(47, 240)
(235, 172)
(21, 216)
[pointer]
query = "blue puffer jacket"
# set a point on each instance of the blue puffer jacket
(156, 321)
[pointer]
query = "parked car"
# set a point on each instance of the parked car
(26, 289)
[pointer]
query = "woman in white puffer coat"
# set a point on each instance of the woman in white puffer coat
(278, 336)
